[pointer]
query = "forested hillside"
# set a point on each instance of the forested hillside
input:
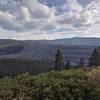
(11, 67)
(80, 84)
(73, 49)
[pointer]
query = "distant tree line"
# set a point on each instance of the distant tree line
(10, 67)
(94, 60)
(59, 64)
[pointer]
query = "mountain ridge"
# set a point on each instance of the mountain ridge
(72, 48)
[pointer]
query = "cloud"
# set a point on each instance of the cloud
(25, 15)
(7, 21)
(30, 18)
(37, 9)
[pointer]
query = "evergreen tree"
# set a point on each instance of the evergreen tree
(68, 65)
(81, 63)
(94, 60)
(58, 61)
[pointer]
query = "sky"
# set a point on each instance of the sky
(49, 19)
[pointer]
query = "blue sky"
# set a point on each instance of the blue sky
(49, 19)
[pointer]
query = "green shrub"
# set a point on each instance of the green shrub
(74, 84)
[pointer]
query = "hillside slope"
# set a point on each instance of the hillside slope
(73, 49)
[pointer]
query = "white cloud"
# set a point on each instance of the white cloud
(30, 18)
(37, 9)
(26, 16)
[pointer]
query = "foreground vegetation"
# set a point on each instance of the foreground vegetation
(74, 84)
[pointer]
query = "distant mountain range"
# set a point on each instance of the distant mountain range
(73, 49)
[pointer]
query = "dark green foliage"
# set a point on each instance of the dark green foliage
(81, 63)
(11, 67)
(65, 85)
(68, 65)
(94, 60)
(58, 61)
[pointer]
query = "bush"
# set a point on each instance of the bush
(74, 84)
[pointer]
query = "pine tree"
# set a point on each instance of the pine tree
(94, 60)
(58, 61)
(81, 63)
(68, 65)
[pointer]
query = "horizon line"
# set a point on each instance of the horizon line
(48, 39)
